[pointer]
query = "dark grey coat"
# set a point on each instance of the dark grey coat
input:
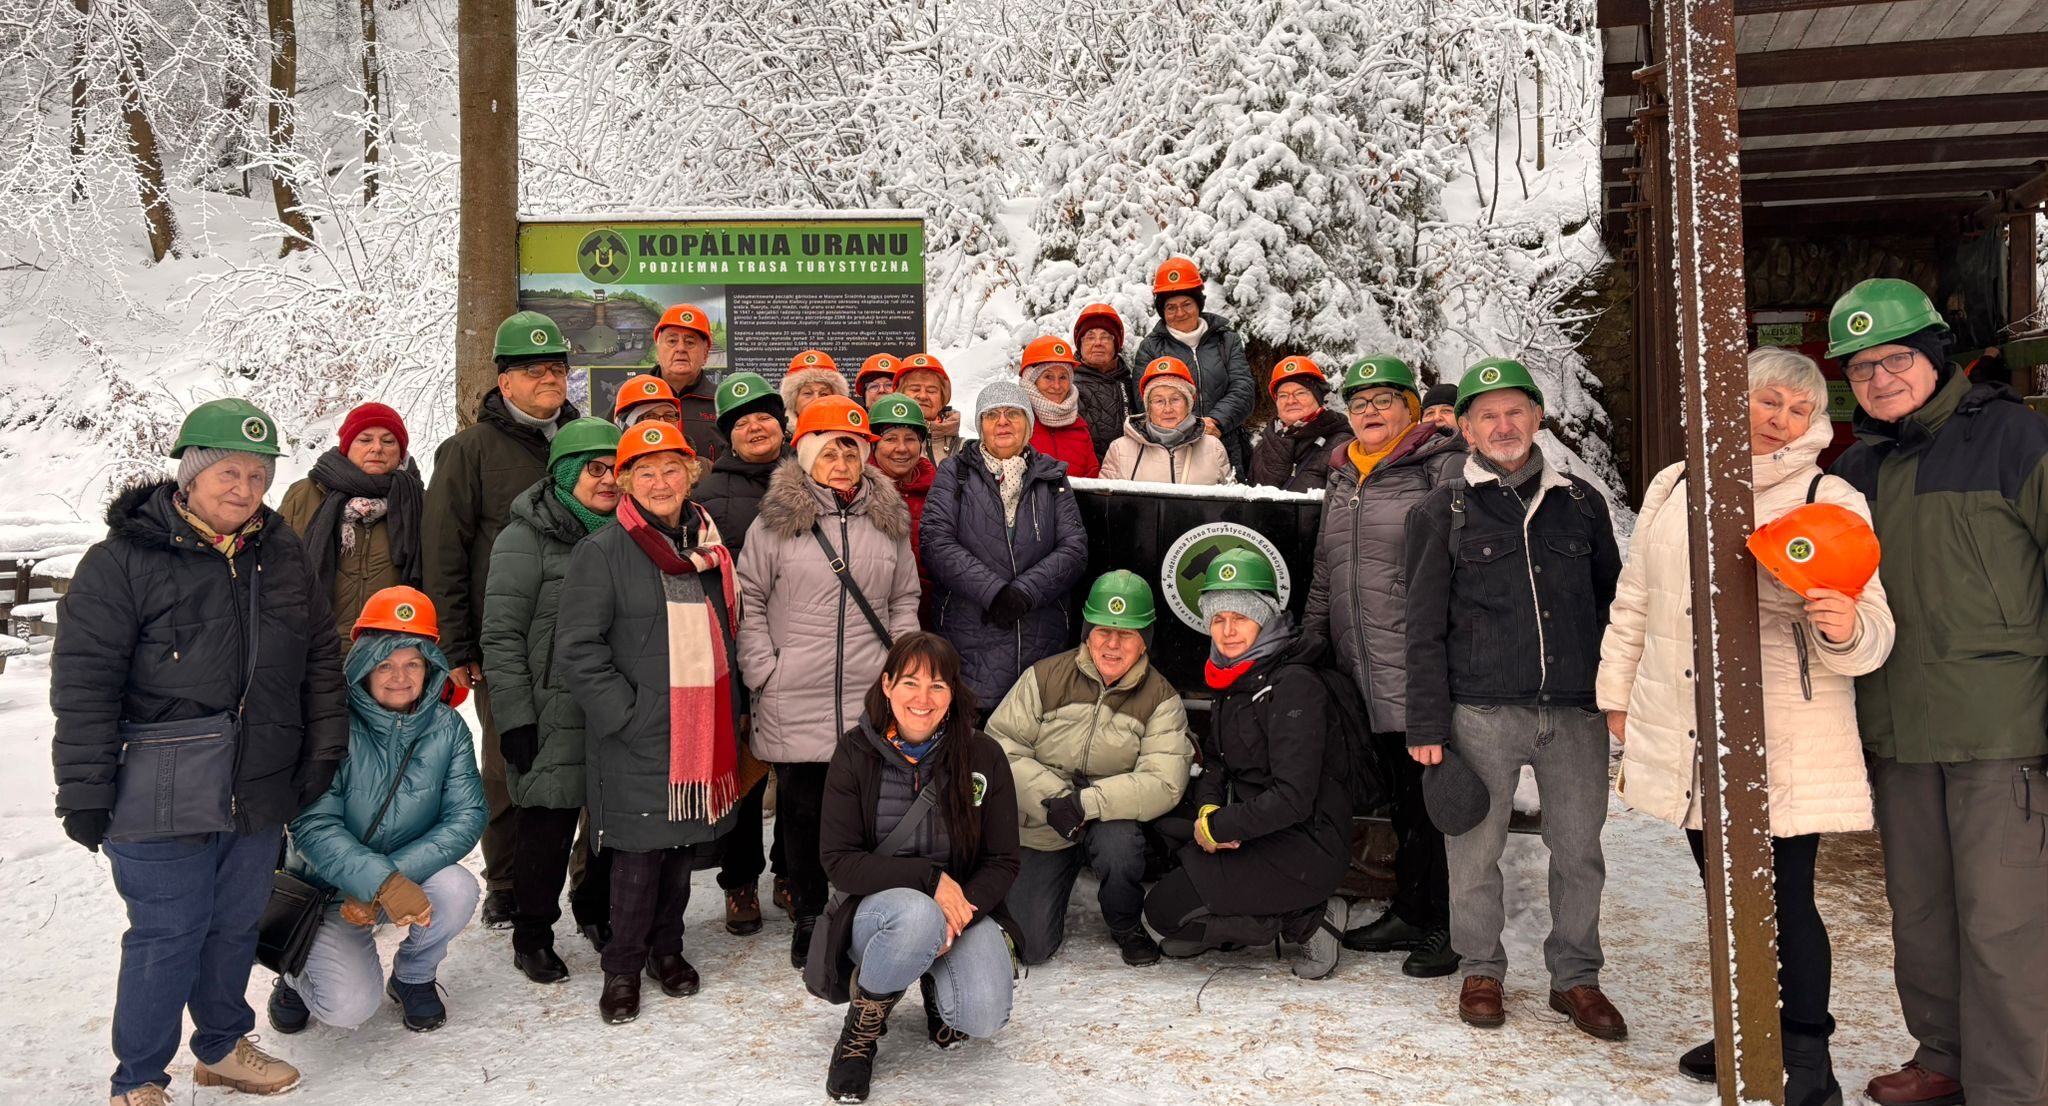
(528, 562)
(611, 649)
(1358, 597)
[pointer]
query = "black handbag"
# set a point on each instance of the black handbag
(177, 779)
(292, 917)
(828, 970)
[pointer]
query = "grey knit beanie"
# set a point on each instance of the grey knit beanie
(1255, 605)
(1001, 394)
(200, 458)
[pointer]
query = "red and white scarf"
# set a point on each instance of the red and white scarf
(703, 738)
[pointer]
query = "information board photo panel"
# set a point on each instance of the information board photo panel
(769, 288)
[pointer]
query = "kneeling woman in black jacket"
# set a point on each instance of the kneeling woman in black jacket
(923, 875)
(1273, 823)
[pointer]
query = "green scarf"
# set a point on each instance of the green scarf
(564, 472)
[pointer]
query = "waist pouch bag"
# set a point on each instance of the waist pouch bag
(292, 917)
(177, 779)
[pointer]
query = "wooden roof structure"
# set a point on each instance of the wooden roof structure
(1855, 118)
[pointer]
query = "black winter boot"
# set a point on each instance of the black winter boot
(935, 1027)
(853, 1057)
(1809, 1070)
(1433, 958)
(800, 941)
(1698, 1064)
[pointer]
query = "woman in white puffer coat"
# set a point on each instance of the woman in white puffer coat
(1812, 648)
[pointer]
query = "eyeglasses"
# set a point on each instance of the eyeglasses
(542, 370)
(1382, 401)
(597, 469)
(1895, 364)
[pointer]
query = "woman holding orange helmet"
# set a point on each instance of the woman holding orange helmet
(1813, 645)
(645, 643)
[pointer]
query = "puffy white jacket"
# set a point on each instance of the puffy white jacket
(1812, 753)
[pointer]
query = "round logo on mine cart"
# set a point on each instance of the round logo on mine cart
(1181, 570)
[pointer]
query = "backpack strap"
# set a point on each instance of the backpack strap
(1457, 486)
(1813, 489)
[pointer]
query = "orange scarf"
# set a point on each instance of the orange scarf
(1366, 461)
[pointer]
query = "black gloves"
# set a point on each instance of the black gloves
(1065, 816)
(319, 776)
(88, 827)
(1010, 606)
(520, 744)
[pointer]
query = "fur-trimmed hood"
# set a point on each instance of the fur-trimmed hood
(794, 502)
(143, 514)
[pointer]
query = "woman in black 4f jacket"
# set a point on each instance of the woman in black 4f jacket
(158, 633)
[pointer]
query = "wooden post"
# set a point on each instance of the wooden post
(1697, 39)
(487, 268)
(2022, 293)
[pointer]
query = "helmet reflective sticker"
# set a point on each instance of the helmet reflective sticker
(254, 429)
(1799, 550)
(740, 388)
(1227, 573)
(539, 337)
(1488, 376)
(1059, 350)
(653, 435)
(1860, 323)
(1117, 605)
(854, 417)
(810, 358)
(1173, 276)
(405, 612)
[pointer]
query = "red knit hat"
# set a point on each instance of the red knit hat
(377, 415)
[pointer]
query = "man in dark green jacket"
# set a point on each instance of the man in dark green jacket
(477, 475)
(1956, 722)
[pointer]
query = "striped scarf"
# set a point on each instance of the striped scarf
(703, 730)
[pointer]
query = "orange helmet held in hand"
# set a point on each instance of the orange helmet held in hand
(1818, 545)
(399, 609)
(1177, 275)
(833, 415)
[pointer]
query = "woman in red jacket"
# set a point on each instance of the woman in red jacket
(1061, 433)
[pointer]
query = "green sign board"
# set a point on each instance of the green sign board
(1788, 335)
(770, 288)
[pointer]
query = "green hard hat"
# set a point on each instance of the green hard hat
(895, 410)
(233, 424)
(1240, 570)
(1876, 311)
(741, 391)
(529, 334)
(1120, 600)
(1378, 372)
(585, 435)
(1492, 375)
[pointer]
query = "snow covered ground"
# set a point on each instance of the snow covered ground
(1223, 1029)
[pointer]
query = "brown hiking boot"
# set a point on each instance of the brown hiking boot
(1590, 1011)
(1914, 1085)
(247, 1069)
(149, 1094)
(1479, 1003)
(781, 898)
(743, 911)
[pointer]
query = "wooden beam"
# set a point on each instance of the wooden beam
(1864, 115)
(1878, 186)
(1713, 338)
(1825, 64)
(2031, 146)
(1636, 13)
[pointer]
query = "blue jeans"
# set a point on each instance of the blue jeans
(343, 983)
(897, 935)
(193, 906)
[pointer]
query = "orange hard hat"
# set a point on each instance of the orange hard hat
(650, 437)
(1818, 545)
(812, 359)
(642, 389)
(1103, 316)
(686, 315)
(921, 362)
(1177, 275)
(1301, 369)
(1165, 366)
(881, 364)
(833, 415)
(1048, 350)
(399, 609)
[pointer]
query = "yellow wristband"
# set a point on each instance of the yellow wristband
(1202, 822)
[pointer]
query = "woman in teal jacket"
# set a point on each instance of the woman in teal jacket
(410, 750)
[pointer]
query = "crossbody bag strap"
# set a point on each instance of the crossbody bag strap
(912, 818)
(1813, 489)
(396, 781)
(255, 642)
(840, 569)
